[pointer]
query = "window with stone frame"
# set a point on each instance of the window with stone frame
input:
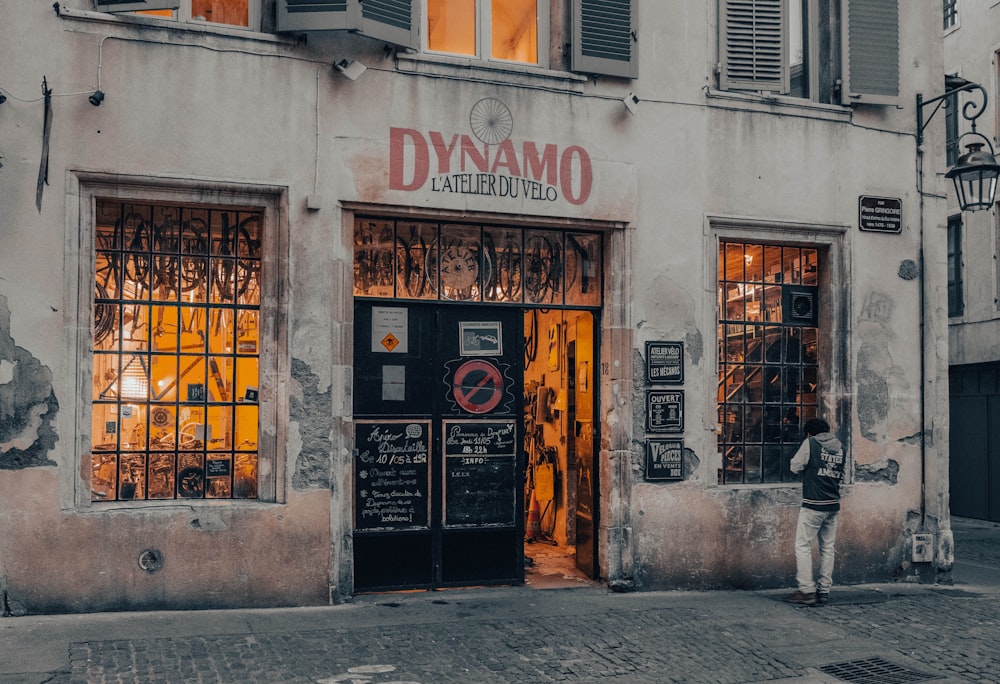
(768, 357)
(176, 352)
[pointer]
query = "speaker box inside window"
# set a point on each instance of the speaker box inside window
(799, 305)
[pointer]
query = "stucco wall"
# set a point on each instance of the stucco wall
(217, 107)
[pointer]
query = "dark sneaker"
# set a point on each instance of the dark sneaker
(800, 598)
(822, 598)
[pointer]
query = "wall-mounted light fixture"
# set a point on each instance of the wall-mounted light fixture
(975, 173)
(351, 68)
(631, 102)
(96, 98)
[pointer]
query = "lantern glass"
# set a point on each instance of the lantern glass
(975, 177)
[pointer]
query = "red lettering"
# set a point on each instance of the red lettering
(469, 151)
(443, 151)
(398, 158)
(566, 174)
(535, 165)
(506, 157)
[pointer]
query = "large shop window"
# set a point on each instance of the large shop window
(768, 357)
(176, 349)
(795, 48)
(473, 263)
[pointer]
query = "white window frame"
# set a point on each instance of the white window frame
(182, 15)
(274, 400)
(484, 33)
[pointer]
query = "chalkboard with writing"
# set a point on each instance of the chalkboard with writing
(391, 475)
(480, 466)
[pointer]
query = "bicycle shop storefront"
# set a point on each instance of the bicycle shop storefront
(475, 399)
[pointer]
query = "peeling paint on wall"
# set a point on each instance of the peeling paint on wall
(695, 346)
(874, 366)
(28, 405)
(886, 471)
(312, 410)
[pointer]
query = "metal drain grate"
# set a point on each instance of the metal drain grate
(875, 670)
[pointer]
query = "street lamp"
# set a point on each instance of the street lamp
(975, 173)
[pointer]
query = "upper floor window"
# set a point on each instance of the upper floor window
(600, 38)
(951, 134)
(813, 49)
(601, 34)
(950, 14)
(495, 29)
(226, 12)
(955, 301)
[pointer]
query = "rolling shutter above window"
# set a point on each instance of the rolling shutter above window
(604, 38)
(394, 21)
(871, 51)
(134, 5)
(754, 45)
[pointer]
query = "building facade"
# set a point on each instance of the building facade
(276, 276)
(970, 43)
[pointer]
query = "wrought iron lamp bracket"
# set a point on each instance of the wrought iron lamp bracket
(971, 110)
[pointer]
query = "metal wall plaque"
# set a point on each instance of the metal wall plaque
(664, 459)
(880, 214)
(665, 410)
(665, 362)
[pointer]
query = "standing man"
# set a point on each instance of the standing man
(820, 459)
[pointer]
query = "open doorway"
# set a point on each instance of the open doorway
(561, 478)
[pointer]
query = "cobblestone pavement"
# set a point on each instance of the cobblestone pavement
(872, 634)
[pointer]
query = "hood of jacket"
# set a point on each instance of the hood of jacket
(828, 440)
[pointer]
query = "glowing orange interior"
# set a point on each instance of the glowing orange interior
(452, 25)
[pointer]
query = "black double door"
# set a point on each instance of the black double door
(438, 467)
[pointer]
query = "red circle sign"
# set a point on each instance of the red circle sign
(477, 386)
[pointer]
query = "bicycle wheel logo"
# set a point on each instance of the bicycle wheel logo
(491, 121)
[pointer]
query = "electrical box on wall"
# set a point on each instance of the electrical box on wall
(923, 548)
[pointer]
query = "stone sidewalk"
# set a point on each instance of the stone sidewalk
(873, 634)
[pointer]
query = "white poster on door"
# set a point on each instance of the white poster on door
(390, 330)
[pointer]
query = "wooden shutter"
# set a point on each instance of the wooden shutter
(134, 5)
(394, 21)
(871, 51)
(317, 15)
(604, 38)
(753, 45)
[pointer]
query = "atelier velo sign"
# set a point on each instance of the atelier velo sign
(880, 214)
(664, 362)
